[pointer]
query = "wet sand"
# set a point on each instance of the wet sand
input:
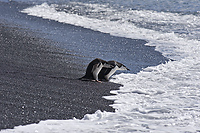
(38, 81)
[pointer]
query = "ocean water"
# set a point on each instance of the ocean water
(163, 98)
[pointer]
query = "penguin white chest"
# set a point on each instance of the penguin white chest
(97, 70)
(113, 70)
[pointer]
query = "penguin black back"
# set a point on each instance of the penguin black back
(92, 66)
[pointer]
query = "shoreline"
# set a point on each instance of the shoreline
(37, 83)
(41, 61)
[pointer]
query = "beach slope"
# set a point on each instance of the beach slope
(37, 82)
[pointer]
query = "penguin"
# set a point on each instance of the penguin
(93, 69)
(106, 73)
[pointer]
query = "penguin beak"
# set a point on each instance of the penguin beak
(125, 68)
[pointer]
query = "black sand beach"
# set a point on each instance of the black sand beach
(37, 83)
(41, 61)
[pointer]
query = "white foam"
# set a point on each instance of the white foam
(167, 43)
(163, 98)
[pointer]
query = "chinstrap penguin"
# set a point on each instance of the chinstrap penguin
(93, 69)
(106, 73)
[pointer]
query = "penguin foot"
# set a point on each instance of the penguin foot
(97, 81)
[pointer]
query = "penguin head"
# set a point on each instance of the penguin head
(123, 67)
(119, 66)
(107, 65)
